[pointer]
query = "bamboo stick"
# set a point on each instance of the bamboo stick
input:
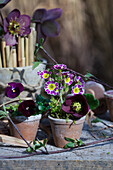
(7, 52)
(22, 51)
(19, 52)
(11, 59)
(0, 61)
(26, 52)
(14, 56)
(3, 45)
(31, 48)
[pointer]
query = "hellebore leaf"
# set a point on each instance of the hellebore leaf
(92, 102)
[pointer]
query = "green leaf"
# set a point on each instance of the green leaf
(29, 149)
(36, 51)
(88, 74)
(35, 64)
(34, 142)
(41, 42)
(39, 142)
(79, 142)
(92, 102)
(69, 139)
(44, 142)
(69, 145)
(96, 120)
(37, 146)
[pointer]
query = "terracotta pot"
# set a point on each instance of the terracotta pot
(27, 126)
(61, 129)
(109, 99)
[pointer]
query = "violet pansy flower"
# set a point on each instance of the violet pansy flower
(26, 108)
(45, 22)
(76, 105)
(14, 89)
(15, 25)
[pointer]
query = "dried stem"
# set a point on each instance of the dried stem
(48, 55)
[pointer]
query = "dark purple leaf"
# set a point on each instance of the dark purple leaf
(52, 14)
(38, 14)
(50, 28)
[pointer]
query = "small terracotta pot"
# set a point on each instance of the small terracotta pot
(109, 99)
(60, 129)
(27, 126)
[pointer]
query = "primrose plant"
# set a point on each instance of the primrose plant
(66, 90)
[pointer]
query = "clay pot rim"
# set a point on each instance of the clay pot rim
(63, 121)
(108, 93)
(26, 119)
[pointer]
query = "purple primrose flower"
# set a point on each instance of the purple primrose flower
(79, 81)
(3, 3)
(77, 89)
(60, 67)
(26, 108)
(44, 74)
(76, 105)
(14, 25)
(45, 22)
(51, 87)
(68, 80)
(14, 89)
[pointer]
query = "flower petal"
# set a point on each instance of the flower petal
(10, 39)
(5, 25)
(24, 31)
(24, 20)
(38, 14)
(52, 14)
(40, 33)
(13, 15)
(50, 28)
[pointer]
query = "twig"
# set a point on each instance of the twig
(59, 151)
(49, 55)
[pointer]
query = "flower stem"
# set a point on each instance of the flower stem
(93, 79)
(1, 17)
(19, 99)
(49, 55)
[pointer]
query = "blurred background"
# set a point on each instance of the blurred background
(85, 41)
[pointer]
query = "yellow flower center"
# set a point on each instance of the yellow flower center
(76, 90)
(67, 80)
(78, 82)
(45, 75)
(13, 90)
(77, 106)
(51, 87)
(14, 27)
(27, 108)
